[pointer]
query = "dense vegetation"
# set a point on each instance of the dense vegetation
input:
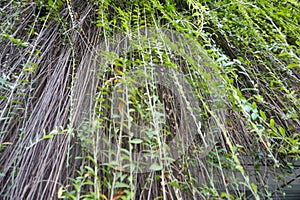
(77, 76)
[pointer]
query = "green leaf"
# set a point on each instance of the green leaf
(88, 182)
(91, 170)
(254, 188)
(121, 185)
(282, 131)
(136, 141)
(155, 167)
(254, 105)
(174, 184)
(294, 151)
(254, 116)
(293, 65)
(272, 123)
(224, 195)
(248, 108)
(47, 136)
(263, 115)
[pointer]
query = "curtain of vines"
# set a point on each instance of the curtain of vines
(51, 56)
